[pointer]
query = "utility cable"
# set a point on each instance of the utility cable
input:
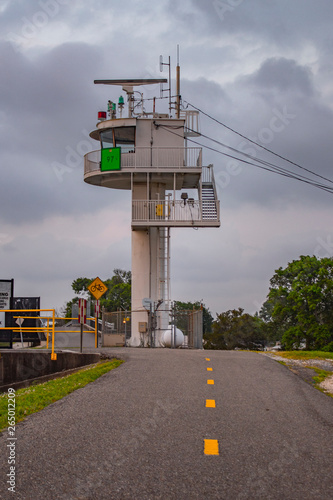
(272, 168)
(259, 160)
(259, 145)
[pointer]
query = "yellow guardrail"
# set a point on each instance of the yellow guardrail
(48, 329)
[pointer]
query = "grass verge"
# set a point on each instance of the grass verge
(36, 397)
(321, 375)
(305, 354)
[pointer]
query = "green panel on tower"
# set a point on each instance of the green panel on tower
(110, 159)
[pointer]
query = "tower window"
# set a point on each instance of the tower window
(123, 137)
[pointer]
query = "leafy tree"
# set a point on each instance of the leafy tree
(272, 331)
(301, 303)
(234, 328)
(80, 285)
(121, 276)
(117, 297)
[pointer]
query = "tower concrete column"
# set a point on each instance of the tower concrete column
(150, 263)
(140, 283)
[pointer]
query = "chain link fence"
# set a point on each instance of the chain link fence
(190, 322)
(118, 323)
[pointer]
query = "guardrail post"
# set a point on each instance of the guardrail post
(96, 332)
(103, 325)
(53, 354)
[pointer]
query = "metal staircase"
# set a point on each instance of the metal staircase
(209, 195)
(209, 210)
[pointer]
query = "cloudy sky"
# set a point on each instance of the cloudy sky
(262, 67)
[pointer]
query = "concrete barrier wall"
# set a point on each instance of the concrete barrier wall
(113, 340)
(19, 366)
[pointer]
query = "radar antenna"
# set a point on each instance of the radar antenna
(128, 85)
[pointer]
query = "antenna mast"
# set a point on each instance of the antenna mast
(169, 89)
(178, 85)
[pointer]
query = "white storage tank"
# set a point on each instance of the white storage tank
(166, 338)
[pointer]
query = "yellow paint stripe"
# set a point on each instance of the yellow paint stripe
(210, 403)
(210, 382)
(209, 369)
(207, 359)
(211, 447)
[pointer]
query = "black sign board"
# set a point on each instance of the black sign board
(30, 318)
(6, 294)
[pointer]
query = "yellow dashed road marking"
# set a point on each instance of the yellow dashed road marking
(211, 447)
(209, 369)
(210, 382)
(210, 403)
(207, 359)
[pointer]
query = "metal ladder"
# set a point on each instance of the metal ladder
(164, 266)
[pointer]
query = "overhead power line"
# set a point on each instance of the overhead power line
(264, 165)
(263, 162)
(258, 144)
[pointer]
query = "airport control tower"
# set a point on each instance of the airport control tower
(147, 152)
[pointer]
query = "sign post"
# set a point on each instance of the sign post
(97, 315)
(82, 318)
(97, 288)
(19, 321)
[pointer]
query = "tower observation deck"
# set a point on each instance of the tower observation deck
(147, 153)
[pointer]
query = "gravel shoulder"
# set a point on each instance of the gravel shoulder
(304, 369)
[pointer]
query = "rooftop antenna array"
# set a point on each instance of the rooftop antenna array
(127, 86)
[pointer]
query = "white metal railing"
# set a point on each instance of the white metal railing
(175, 211)
(207, 174)
(92, 162)
(150, 158)
(191, 118)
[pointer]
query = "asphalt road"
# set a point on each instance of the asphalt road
(139, 432)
